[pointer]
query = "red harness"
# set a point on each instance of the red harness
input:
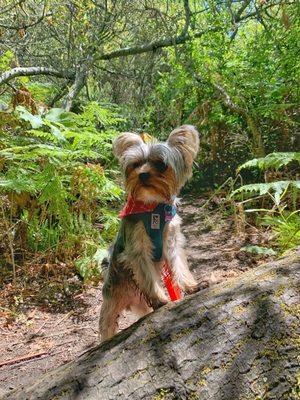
(136, 207)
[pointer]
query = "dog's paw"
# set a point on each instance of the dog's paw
(156, 304)
(193, 289)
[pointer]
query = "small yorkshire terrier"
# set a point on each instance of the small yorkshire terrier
(149, 234)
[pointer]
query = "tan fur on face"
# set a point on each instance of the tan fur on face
(160, 186)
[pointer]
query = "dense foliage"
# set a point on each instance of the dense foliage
(275, 203)
(56, 182)
(74, 73)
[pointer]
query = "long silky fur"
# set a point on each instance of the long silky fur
(132, 280)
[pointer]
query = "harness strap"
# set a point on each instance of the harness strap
(172, 287)
(154, 217)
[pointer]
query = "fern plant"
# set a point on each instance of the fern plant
(273, 160)
(61, 163)
(283, 214)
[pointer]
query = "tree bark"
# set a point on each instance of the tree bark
(31, 71)
(74, 90)
(233, 341)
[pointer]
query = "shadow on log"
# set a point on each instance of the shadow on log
(235, 341)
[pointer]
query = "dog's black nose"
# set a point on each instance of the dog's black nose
(144, 176)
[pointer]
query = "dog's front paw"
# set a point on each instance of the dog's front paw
(157, 303)
(193, 289)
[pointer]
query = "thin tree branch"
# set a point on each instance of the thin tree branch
(11, 7)
(31, 71)
(168, 42)
(25, 26)
(257, 140)
(240, 11)
(187, 11)
(79, 82)
(155, 45)
(62, 92)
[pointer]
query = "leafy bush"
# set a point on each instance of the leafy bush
(57, 183)
(281, 198)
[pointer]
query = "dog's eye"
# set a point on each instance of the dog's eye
(160, 166)
(136, 164)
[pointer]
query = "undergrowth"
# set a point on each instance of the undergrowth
(274, 203)
(57, 187)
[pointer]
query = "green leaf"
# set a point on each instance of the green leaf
(35, 120)
(264, 188)
(100, 254)
(273, 160)
(259, 250)
(54, 115)
(57, 133)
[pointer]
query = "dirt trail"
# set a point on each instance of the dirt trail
(39, 339)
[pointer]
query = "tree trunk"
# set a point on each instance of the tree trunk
(74, 90)
(237, 340)
(258, 147)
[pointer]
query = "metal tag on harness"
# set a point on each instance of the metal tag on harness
(155, 221)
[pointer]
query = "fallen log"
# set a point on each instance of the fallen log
(235, 341)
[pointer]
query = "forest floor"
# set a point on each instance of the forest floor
(53, 318)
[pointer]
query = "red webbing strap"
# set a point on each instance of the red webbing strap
(172, 288)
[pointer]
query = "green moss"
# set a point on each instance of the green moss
(293, 309)
(193, 396)
(224, 321)
(203, 374)
(162, 394)
(234, 352)
(240, 309)
(151, 334)
(182, 333)
(202, 382)
(197, 341)
(137, 374)
(279, 292)
(201, 310)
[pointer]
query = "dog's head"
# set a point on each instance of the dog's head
(155, 172)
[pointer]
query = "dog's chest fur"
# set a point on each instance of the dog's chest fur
(154, 222)
(137, 248)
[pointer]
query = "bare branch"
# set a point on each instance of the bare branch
(228, 100)
(31, 71)
(26, 26)
(80, 80)
(261, 9)
(240, 11)
(171, 41)
(152, 46)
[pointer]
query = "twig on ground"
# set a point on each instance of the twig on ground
(24, 358)
(72, 330)
(63, 318)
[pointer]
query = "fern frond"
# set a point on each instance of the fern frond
(263, 188)
(34, 151)
(18, 184)
(273, 160)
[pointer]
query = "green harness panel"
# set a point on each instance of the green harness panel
(154, 223)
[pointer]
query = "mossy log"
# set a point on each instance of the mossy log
(238, 340)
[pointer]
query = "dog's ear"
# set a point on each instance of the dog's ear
(186, 140)
(124, 141)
